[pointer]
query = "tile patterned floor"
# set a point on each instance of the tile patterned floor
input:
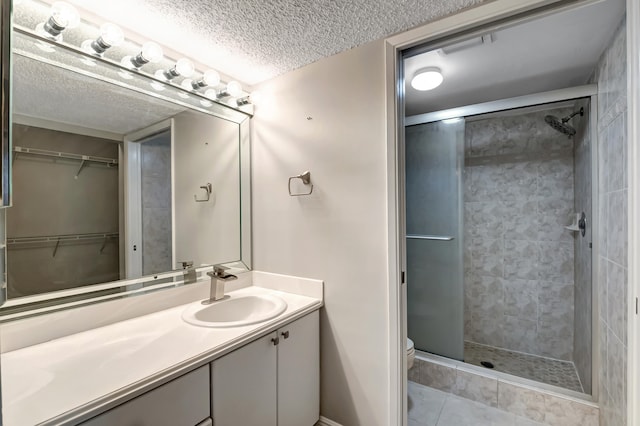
(431, 407)
(545, 370)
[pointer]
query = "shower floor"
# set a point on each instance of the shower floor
(540, 369)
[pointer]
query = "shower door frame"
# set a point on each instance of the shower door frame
(589, 91)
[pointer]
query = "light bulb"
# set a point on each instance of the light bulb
(152, 52)
(111, 35)
(187, 84)
(86, 46)
(64, 16)
(126, 62)
(234, 89)
(159, 74)
(157, 86)
(185, 67)
(211, 94)
(256, 97)
(211, 78)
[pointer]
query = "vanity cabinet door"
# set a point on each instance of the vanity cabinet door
(182, 402)
(244, 385)
(299, 372)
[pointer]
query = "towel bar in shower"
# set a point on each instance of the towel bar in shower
(430, 237)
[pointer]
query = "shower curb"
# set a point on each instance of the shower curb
(538, 402)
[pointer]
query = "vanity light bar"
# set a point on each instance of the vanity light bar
(64, 16)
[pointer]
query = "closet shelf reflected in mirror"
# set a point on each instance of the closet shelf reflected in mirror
(16, 242)
(110, 162)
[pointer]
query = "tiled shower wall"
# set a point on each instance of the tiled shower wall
(612, 260)
(583, 295)
(156, 204)
(519, 272)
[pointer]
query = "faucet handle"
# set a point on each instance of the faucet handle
(219, 269)
(220, 274)
(186, 264)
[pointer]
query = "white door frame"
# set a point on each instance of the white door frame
(432, 32)
(132, 194)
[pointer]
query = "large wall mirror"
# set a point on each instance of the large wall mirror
(113, 188)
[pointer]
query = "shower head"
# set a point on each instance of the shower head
(561, 124)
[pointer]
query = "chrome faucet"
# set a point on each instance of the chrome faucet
(218, 279)
(189, 275)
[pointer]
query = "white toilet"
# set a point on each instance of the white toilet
(411, 353)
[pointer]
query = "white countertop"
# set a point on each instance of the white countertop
(82, 372)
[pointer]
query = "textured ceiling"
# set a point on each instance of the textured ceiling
(47, 92)
(253, 41)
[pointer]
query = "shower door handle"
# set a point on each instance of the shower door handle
(430, 237)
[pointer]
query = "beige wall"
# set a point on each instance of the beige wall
(329, 118)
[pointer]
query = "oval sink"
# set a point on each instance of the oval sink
(235, 311)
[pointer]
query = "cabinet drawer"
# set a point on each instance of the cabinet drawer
(184, 401)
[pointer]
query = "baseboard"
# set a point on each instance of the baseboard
(326, 422)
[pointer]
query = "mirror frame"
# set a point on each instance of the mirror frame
(29, 306)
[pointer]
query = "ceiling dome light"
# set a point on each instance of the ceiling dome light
(427, 79)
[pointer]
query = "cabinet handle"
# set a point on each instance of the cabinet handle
(285, 334)
(275, 341)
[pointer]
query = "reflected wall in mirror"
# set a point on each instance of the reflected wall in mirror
(112, 184)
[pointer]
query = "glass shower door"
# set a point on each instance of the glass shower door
(435, 278)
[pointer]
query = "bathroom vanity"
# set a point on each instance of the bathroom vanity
(157, 369)
(271, 381)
